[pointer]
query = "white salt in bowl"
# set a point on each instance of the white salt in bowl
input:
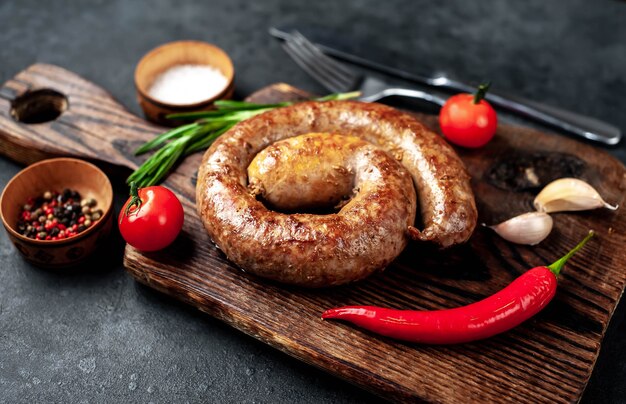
(157, 73)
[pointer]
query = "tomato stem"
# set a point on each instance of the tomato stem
(481, 92)
(556, 267)
(135, 200)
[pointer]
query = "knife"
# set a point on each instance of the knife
(584, 126)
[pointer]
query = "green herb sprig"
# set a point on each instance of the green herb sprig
(184, 140)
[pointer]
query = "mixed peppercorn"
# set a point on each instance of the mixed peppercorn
(56, 216)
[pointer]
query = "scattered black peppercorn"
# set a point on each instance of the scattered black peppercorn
(55, 216)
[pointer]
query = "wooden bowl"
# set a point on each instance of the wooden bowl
(57, 175)
(171, 54)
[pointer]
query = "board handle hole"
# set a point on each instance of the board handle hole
(39, 106)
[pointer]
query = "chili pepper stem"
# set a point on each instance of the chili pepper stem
(135, 200)
(556, 266)
(481, 92)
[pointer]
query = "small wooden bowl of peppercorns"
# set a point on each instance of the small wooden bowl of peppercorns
(57, 211)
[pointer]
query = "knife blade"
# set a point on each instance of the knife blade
(584, 126)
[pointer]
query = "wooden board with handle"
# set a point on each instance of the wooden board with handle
(547, 359)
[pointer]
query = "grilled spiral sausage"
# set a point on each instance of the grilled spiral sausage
(323, 250)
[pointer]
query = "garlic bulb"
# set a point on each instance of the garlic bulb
(569, 194)
(529, 228)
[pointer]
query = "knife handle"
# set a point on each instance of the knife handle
(580, 125)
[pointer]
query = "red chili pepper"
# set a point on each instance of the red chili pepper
(523, 298)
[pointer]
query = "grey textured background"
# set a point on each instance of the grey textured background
(94, 335)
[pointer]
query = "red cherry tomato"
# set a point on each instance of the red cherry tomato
(466, 122)
(151, 218)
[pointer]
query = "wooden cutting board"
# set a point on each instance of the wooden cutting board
(547, 359)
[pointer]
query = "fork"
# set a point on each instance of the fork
(338, 78)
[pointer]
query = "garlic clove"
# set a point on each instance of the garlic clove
(529, 228)
(569, 194)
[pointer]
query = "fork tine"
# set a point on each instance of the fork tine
(342, 74)
(304, 61)
(338, 68)
(310, 69)
(332, 82)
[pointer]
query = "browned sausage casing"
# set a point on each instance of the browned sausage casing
(314, 172)
(281, 246)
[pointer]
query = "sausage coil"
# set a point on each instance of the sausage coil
(393, 156)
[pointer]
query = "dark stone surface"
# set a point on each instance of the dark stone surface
(94, 335)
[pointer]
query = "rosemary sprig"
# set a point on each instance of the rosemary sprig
(179, 142)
